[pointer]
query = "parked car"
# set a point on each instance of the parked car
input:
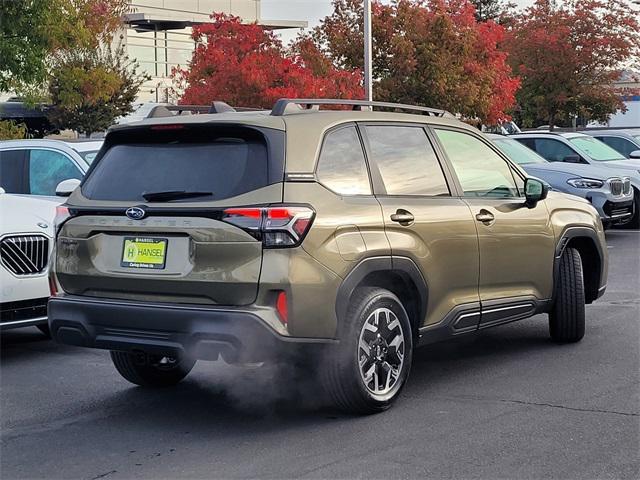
(26, 240)
(30, 172)
(505, 128)
(88, 149)
(578, 148)
(192, 238)
(36, 167)
(612, 196)
(626, 142)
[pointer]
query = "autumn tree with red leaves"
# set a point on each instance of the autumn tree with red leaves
(429, 52)
(568, 55)
(245, 65)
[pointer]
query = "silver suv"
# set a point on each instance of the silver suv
(577, 148)
(612, 196)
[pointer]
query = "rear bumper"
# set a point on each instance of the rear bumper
(205, 333)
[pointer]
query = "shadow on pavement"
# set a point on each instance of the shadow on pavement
(21, 336)
(216, 392)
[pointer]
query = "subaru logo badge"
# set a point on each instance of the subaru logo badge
(136, 213)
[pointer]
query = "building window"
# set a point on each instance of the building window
(159, 51)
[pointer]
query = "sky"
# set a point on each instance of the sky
(310, 10)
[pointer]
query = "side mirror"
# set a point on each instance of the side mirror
(534, 191)
(66, 187)
(635, 154)
(572, 159)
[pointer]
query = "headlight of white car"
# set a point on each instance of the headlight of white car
(585, 183)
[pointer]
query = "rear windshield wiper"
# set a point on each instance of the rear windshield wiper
(173, 195)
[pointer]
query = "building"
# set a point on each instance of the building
(157, 34)
(629, 87)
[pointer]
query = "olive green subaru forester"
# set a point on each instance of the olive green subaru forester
(354, 235)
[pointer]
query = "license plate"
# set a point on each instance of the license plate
(140, 252)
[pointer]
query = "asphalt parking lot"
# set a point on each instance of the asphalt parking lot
(505, 404)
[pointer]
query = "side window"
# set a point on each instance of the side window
(342, 166)
(13, 171)
(619, 144)
(480, 170)
(528, 142)
(553, 150)
(406, 160)
(47, 169)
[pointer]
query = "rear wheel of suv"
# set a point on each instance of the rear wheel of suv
(151, 370)
(567, 318)
(367, 370)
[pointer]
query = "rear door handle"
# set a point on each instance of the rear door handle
(403, 217)
(485, 216)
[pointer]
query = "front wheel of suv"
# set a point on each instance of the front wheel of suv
(151, 370)
(365, 373)
(567, 318)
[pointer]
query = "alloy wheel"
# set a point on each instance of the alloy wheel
(381, 351)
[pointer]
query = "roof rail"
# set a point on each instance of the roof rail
(281, 107)
(541, 132)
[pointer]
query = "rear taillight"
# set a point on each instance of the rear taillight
(62, 215)
(170, 126)
(53, 284)
(282, 307)
(281, 226)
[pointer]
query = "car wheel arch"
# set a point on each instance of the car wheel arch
(399, 275)
(585, 240)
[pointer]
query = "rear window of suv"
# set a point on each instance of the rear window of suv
(225, 162)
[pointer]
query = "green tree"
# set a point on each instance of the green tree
(32, 31)
(24, 42)
(10, 130)
(90, 88)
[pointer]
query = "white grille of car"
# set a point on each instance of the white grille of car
(616, 186)
(626, 187)
(24, 254)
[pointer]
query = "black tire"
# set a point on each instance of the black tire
(151, 370)
(634, 223)
(342, 377)
(44, 328)
(567, 318)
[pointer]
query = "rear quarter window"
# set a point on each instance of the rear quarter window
(342, 167)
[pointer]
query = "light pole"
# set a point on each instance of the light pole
(368, 87)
